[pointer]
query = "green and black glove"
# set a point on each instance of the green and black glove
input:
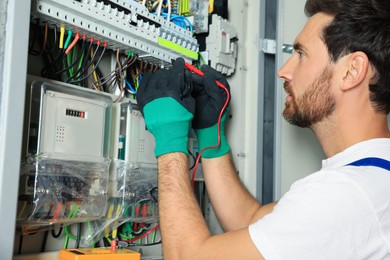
(165, 101)
(210, 99)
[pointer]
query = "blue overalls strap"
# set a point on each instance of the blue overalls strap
(372, 161)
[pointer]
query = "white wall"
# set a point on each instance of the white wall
(242, 128)
(299, 151)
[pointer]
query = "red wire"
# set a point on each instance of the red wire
(76, 38)
(57, 212)
(201, 73)
(143, 235)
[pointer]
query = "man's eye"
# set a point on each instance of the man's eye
(300, 54)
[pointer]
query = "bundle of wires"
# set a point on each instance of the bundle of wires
(75, 59)
(179, 20)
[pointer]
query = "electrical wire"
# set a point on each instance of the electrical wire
(74, 62)
(169, 10)
(94, 68)
(82, 63)
(67, 42)
(211, 6)
(219, 137)
(202, 58)
(22, 209)
(58, 234)
(120, 78)
(113, 78)
(20, 244)
(47, 71)
(74, 208)
(179, 20)
(78, 239)
(152, 191)
(118, 213)
(62, 35)
(33, 39)
(193, 158)
(143, 235)
(35, 36)
(133, 91)
(43, 47)
(75, 40)
(150, 244)
(220, 85)
(57, 212)
(160, 2)
(85, 66)
(44, 241)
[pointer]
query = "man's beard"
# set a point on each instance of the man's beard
(314, 105)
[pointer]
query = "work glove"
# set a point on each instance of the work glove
(165, 101)
(210, 99)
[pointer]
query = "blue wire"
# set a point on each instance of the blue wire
(179, 20)
(130, 87)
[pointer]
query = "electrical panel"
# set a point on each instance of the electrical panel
(87, 155)
(222, 45)
(124, 25)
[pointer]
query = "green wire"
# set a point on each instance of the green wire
(89, 229)
(65, 74)
(154, 236)
(72, 214)
(202, 59)
(66, 242)
(81, 61)
(67, 42)
(69, 62)
(68, 234)
(74, 52)
(126, 236)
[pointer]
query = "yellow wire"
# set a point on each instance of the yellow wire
(118, 212)
(24, 205)
(109, 215)
(211, 6)
(62, 34)
(94, 72)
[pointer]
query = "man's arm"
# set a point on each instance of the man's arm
(235, 207)
(183, 229)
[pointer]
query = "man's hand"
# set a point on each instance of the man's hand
(210, 99)
(165, 101)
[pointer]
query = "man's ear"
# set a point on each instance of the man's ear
(357, 65)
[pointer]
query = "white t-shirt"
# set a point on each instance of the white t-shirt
(339, 212)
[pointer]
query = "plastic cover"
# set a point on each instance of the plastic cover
(55, 191)
(132, 206)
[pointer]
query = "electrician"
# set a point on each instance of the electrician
(338, 85)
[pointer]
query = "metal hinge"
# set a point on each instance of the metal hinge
(268, 46)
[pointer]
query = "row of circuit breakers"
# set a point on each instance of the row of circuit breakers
(126, 25)
(129, 26)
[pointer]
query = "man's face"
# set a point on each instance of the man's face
(308, 77)
(315, 104)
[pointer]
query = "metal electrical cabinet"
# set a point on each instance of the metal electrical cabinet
(14, 23)
(264, 147)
